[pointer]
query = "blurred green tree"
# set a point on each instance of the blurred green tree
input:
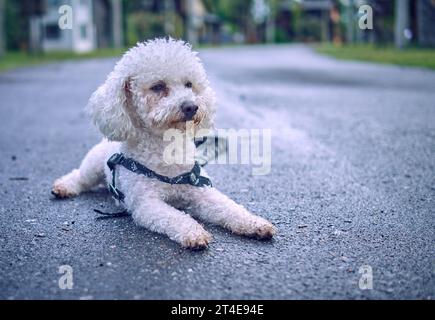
(235, 15)
(16, 28)
(2, 28)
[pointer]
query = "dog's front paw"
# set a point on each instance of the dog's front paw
(196, 240)
(264, 231)
(62, 190)
(257, 227)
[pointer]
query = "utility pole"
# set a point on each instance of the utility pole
(169, 24)
(33, 10)
(2, 28)
(270, 22)
(350, 21)
(35, 34)
(117, 33)
(401, 23)
(190, 12)
(325, 32)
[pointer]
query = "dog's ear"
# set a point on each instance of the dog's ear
(108, 108)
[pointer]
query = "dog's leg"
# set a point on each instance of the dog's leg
(156, 215)
(89, 175)
(211, 205)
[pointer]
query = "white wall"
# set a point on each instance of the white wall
(83, 30)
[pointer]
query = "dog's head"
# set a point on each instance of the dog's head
(156, 86)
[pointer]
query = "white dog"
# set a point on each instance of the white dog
(156, 86)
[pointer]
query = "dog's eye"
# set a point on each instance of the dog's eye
(158, 87)
(188, 84)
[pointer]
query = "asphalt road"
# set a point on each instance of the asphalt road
(352, 184)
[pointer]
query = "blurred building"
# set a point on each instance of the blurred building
(33, 25)
(318, 12)
(188, 19)
(96, 24)
(201, 26)
(305, 20)
(409, 21)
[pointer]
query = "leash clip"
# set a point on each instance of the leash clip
(194, 179)
(115, 159)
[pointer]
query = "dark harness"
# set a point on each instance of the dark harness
(193, 177)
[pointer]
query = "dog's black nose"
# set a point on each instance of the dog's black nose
(189, 109)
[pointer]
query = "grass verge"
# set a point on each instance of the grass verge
(412, 57)
(14, 60)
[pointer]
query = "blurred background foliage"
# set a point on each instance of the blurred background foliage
(101, 25)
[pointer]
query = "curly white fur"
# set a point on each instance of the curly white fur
(133, 117)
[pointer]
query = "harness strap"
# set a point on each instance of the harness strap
(199, 141)
(103, 214)
(193, 177)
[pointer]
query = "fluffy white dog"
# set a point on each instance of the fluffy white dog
(157, 86)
